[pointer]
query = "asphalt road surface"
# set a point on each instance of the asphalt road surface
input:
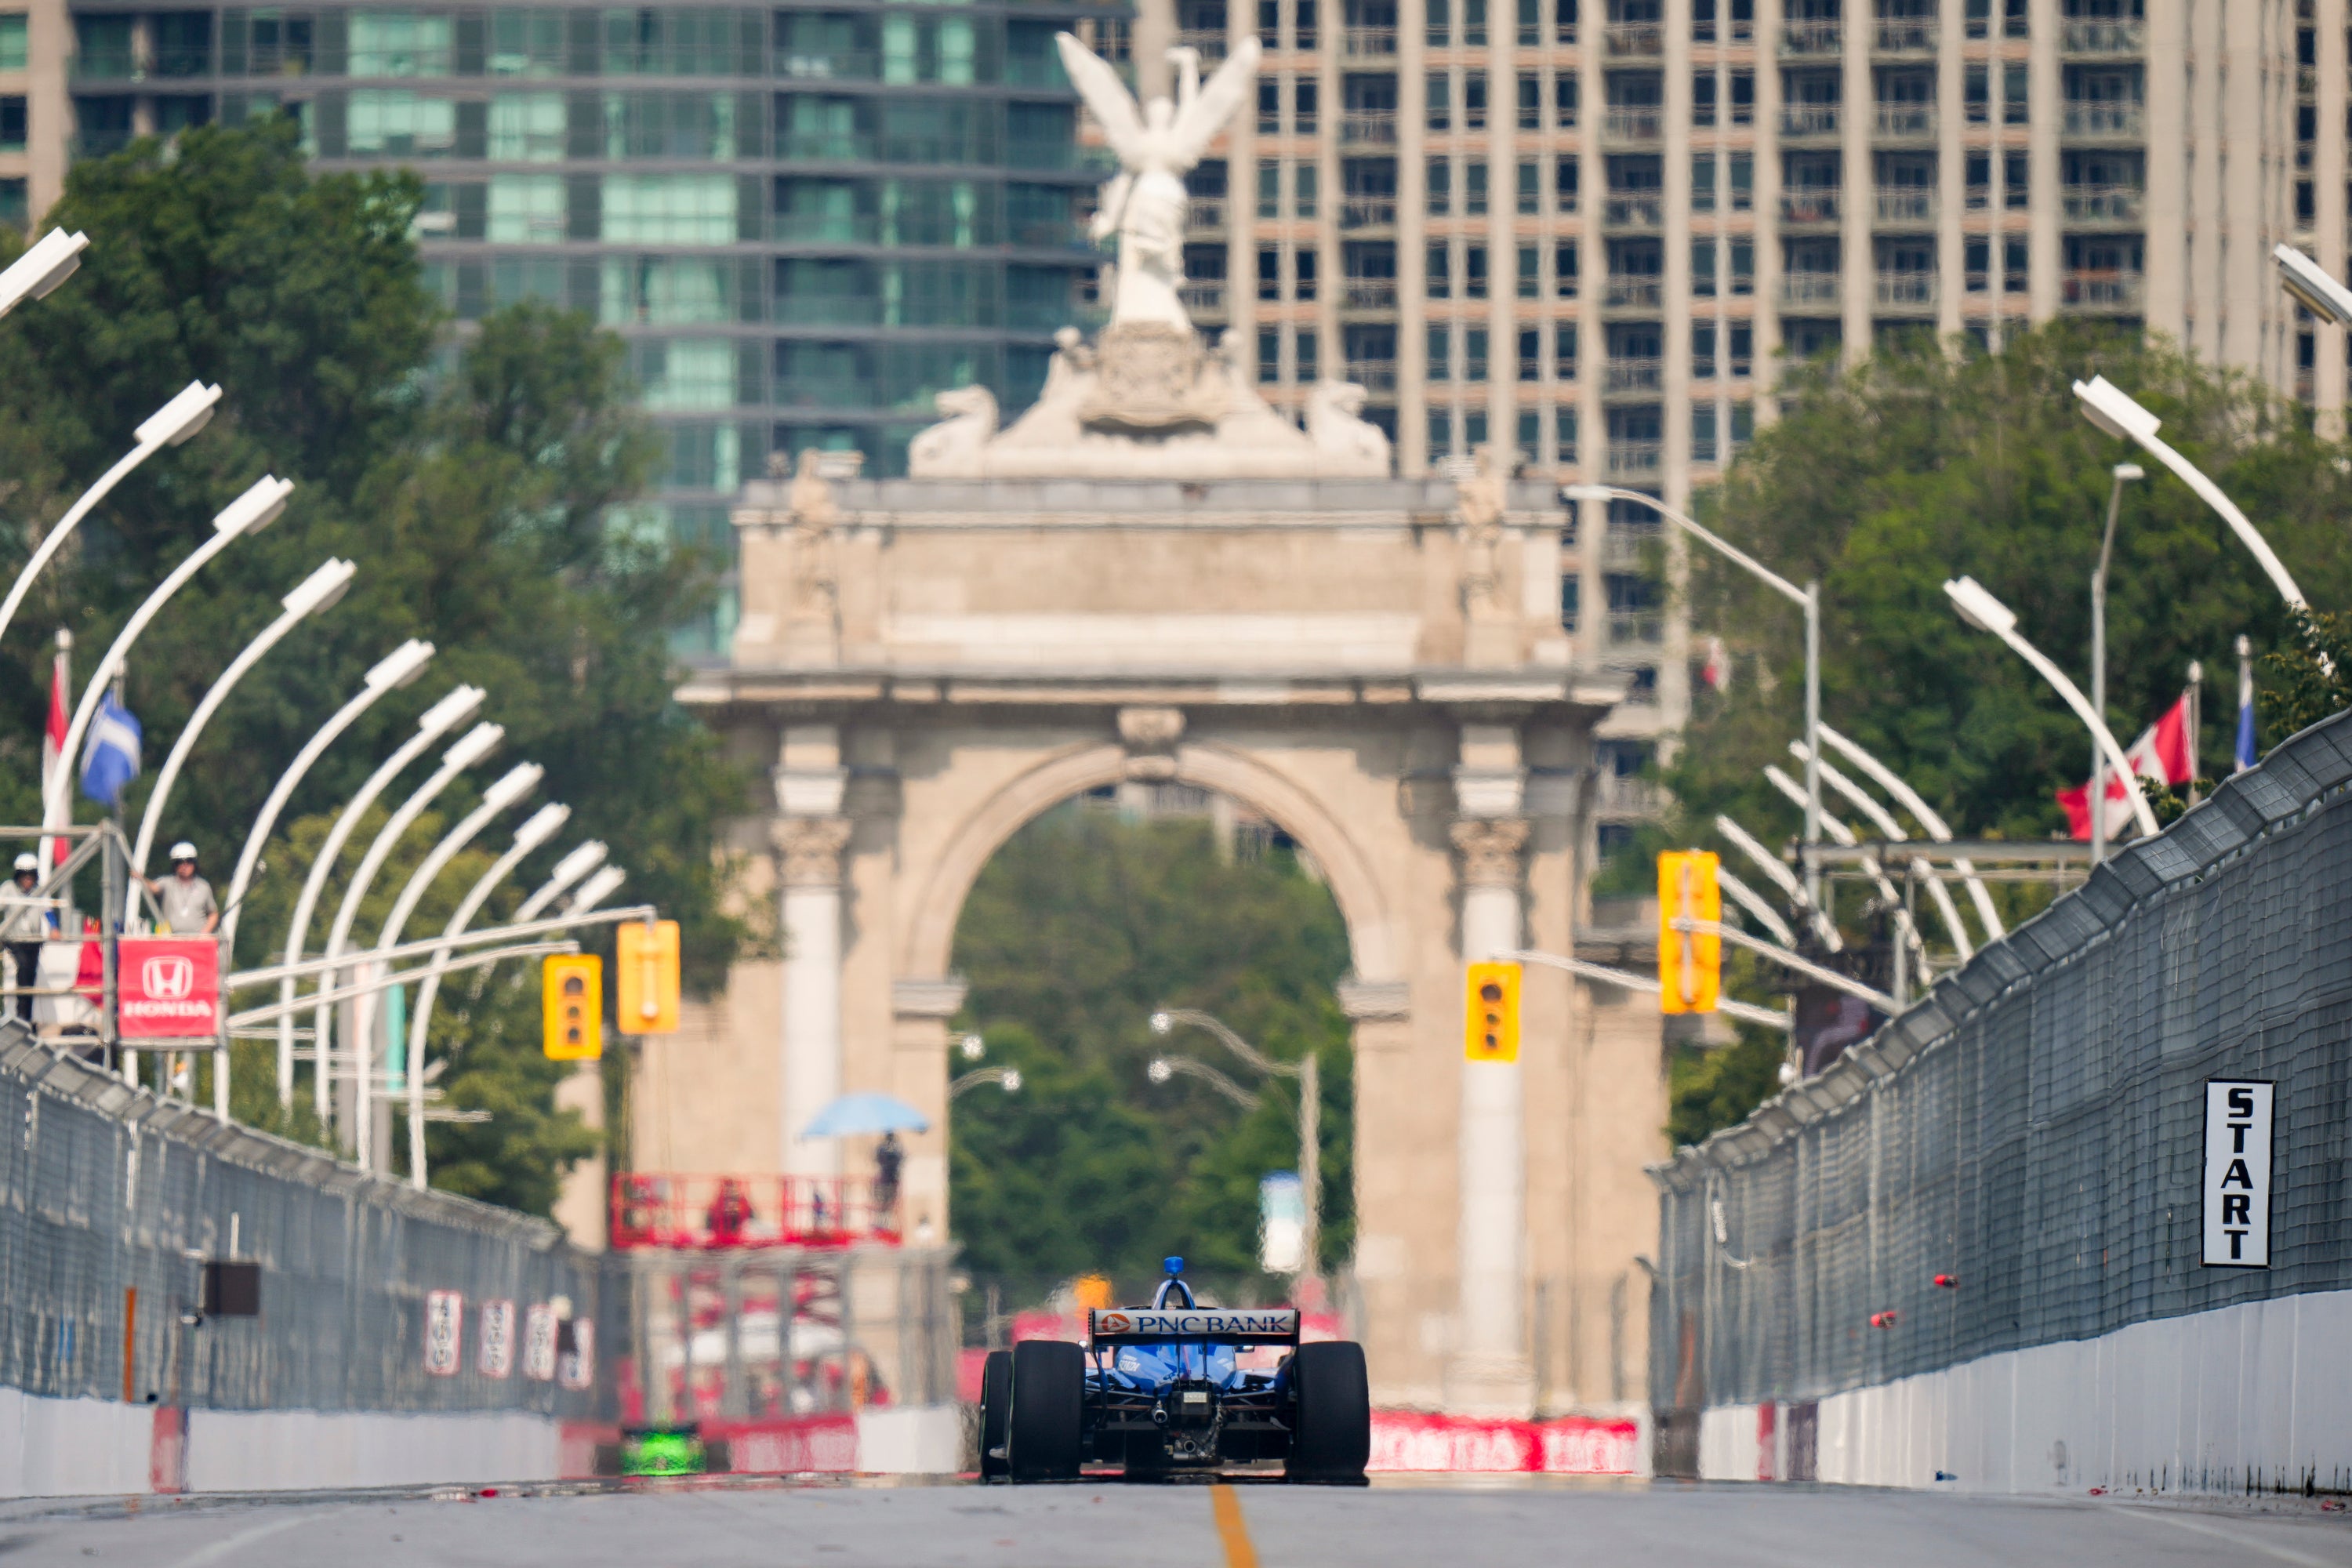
(1453, 1523)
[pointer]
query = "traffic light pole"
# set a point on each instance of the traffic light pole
(1626, 980)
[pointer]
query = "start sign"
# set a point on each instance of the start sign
(2238, 1172)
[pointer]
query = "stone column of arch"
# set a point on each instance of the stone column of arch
(808, 871)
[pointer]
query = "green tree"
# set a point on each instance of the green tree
(1920, 465)
(1076, 932)
(473, 494)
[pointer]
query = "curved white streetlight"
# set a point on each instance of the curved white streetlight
(1009, 1077)
(455, 708)
(1927, 818)
(472, 746)
(1807, 598)
(251, 512)
(1884, 820)
(537, 829)
(597, 890)
(1977, 607)
(394, 670)
(319, 591)
(1846, 837)
(186, 413)
(2113, 410)
(2308, 281)
(1767, 862)
(1757, 905)
(47, 262)
(510, 787)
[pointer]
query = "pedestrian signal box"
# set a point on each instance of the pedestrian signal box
(647, 959)
(1690, 963)
(1491, 1027)
(571, 1002)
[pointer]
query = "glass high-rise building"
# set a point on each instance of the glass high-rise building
(804, 220)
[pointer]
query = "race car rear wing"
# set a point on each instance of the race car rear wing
(1193, 1325)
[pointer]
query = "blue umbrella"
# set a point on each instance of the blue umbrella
(856, 1113)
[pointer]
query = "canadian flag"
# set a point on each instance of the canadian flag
(2160, 755)
(53, 740)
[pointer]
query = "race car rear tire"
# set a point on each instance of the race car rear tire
(1332, 1437)
(995, 1402)
(1047, 1423)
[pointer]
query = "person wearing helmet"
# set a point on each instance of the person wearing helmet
(24, 922)
(185, 898)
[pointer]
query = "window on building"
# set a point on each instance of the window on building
(1743, 182)
(1304, 101)
(1743, 424)
(1563, 423)
(1303, 23)
(1564, 182)
(1976, 95)
(1474, 354)
(1441, 100)
(1474, 428)
(1269, 188)
(1702, 182)
(524, 127)
(1563, 100)
(1306, 194)
(1441, 434)
(1527, 282)
(1977, 182)
(2016, 181)
(1702, 447)
(1441, 274)
(1530, 193)
(1440, 186)
(1702, 350)
(1530, 102)
(1743, 350)
(1303, 262)
(2012, 94)
(529, 209)
(1530, 354)
(1440, 354)
(13, 118)
(14, 41)
(1743, 267)
(1440, 24)
(1473, 273)
(1977, 17)
(1703, 268)
(2013, 253)
(1474, 189)
(1743, 98)
(1703, 98)
(1310, 366)
(2013, 23)
(672, 209)
(1269, 106)
(15, 204)
(1563, 270)
(1474, 24)
(1976, 257)
(1702, 21)
(399, 43)
(1269, 273)
(1563, 350)
(1269, 355)
(1474, 100)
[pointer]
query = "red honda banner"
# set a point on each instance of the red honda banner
(169, 987)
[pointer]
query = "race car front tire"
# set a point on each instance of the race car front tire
(1331, 1439)
(995, 1402)
(1047, 1423)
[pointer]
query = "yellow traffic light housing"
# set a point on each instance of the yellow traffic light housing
(571, 1007)
(1690, 963)
(647, 980)
(1491, 1027)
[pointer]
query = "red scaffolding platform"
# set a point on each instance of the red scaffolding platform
(696, 1213)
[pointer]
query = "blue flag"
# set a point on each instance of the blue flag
(110, 760)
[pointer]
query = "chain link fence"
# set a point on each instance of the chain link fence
(2033, 1129)
(374, 1296)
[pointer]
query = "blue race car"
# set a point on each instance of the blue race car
(1159, 1392)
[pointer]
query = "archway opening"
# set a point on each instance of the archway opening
(1120, 902)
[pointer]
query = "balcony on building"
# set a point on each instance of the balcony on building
(1202, 25)
(1905, 28)
(1633, 122)
(1376, 376)
(1203, 298)
(1204, 214)
(1804, 205)
(1624, 376)
(1368, 128)
(1906, 290)
(1641, 210)
(1804, 119)
(1907, 204)
(1367, 43)
(2104, 288)
(1908, 121)
(2104, 100)
(1634, 29)
(1634, 460)
(1802, 288)
(1811, 37)
(2102, 203)
(2081, 32)
(1367, 211)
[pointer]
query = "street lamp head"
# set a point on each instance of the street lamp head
(321, 590)
(474, 745)
(540, 826)
(598, 888)
(256, 508)
(2313, 288)
(972, 1046)
(2128, 471)
(190, 410)
(581, 860)
(1978, 607)
(1013, 1080)
(49, 262)
(1586, 492)
(401, 665)
(461, 704)
(2111, 409)
(1161, 1070)
(516, 782)
(1161, 1023)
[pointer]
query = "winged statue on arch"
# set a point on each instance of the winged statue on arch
(1157, 145)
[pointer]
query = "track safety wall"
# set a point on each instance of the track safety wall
(2034, 1131)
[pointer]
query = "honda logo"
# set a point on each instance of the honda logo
(169, 978)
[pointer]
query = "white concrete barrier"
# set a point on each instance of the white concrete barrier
(68, 1448)
(294, 1450)
(2257, 1393)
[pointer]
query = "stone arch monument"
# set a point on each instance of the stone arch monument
(1154, 575)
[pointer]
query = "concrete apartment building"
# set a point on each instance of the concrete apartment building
(1584, 228)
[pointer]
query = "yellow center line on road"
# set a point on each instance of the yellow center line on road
(1239, 1553)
